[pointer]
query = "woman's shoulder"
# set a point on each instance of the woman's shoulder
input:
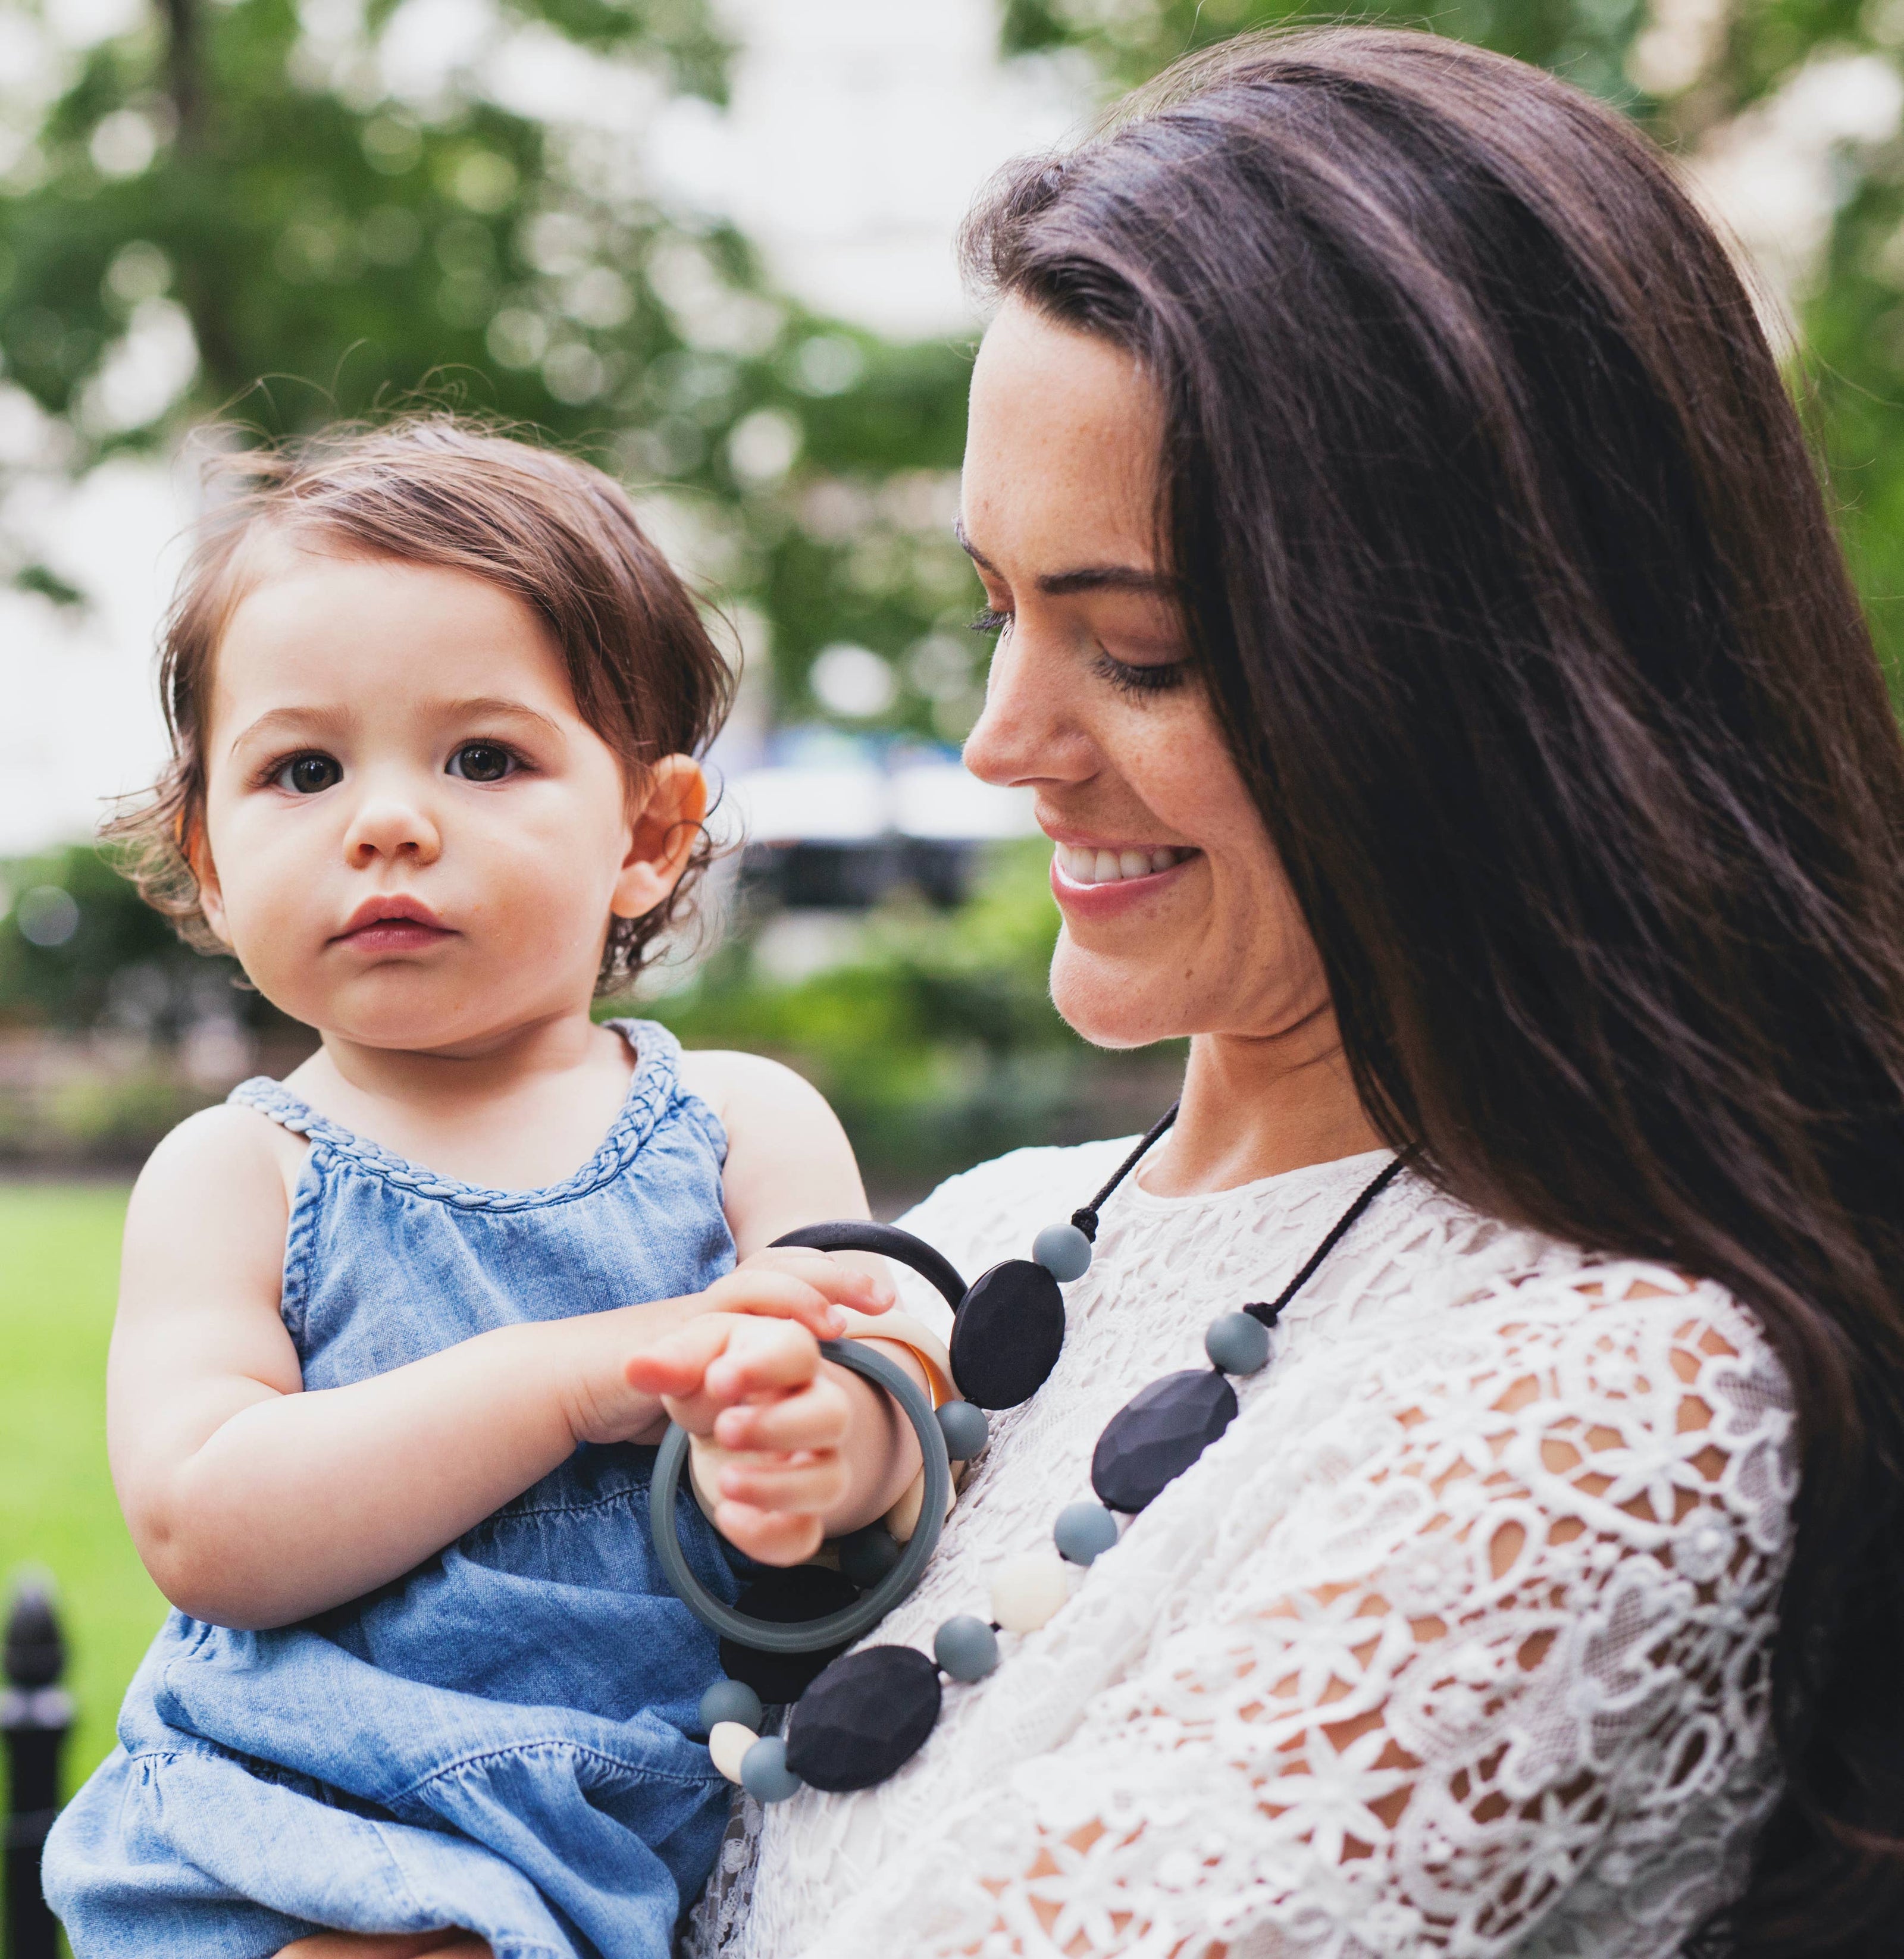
(1544, 1288)
(1479, 1320)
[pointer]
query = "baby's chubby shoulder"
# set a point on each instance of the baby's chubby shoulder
(742, 1088)
(226, 1159)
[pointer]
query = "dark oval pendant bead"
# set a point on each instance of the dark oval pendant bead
(1158, 1434)
(800, 1591)
(864, 1717)
(1008, 1334)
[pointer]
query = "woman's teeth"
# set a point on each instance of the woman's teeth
(1108, 867)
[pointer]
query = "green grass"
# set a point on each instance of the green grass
(58, 1274)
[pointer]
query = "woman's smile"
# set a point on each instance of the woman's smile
(1094, 880)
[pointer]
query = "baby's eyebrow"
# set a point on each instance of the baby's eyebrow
(291, 720)
(494, 704)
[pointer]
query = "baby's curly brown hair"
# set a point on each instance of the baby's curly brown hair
(438, 489)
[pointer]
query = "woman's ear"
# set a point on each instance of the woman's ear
(666, 827)
(197, 853)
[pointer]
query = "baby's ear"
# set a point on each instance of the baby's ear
(667, 825)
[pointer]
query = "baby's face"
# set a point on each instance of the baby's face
(412, 839)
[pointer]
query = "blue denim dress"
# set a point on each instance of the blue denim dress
(499, 1740)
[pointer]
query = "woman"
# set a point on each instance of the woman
(1422, 628)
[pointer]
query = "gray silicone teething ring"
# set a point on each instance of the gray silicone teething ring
(836, 1628)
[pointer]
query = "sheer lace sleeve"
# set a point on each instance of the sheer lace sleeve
(1494, 1635)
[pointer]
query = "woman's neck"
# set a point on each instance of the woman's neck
(1254, 1106)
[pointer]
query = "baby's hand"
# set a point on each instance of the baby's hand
(789, 1282)
(756, 1389)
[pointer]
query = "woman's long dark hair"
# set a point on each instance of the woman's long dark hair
(1516, 591)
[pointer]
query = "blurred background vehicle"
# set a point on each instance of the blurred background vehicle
(709, 242)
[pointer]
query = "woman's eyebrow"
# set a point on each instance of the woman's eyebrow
(1088, 578)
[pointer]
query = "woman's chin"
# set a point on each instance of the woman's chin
(1116, 1003)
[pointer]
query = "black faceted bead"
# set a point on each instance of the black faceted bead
(864, 1717)
(1158, 1434)
(1008, 1334)
(800, 1591)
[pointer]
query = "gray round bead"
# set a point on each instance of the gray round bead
(966, 1647)
(764, 1772)
(964, 1428)
(1237, 1344)
(1084, 1531)
(730, 1700)
(1062, 1250)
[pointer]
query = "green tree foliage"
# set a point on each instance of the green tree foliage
(1132, 40)
(111, 962)
(244, 178)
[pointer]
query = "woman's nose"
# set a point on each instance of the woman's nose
(391, 825)
(1026, 733)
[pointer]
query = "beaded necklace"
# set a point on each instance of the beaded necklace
(857, 1718)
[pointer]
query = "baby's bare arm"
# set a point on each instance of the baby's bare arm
(254, 1503)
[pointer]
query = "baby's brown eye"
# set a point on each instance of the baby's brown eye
(482, 762)
(306, 775)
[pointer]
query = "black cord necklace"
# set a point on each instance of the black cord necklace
(855, 1719)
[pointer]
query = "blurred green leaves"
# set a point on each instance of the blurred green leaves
(1132, 40)
(273, 215)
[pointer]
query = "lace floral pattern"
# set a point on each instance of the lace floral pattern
(1456, 1643)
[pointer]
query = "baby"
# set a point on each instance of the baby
(392, 1333)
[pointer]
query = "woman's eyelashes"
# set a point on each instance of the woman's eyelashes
(1153, 677)
(1129, 679)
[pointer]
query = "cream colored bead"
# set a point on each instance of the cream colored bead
(1028, 1589)
(728, 1743)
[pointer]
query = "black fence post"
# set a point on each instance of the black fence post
(35, 1714)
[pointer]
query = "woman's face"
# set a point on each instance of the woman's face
(1177, 919)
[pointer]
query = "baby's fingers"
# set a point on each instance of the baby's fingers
(813, 1418)
(678, 1365)
(803, 1485)
(766, 1357)
(773, 1281)
(769, 1535)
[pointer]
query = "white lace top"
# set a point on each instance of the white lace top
(1455, 1644)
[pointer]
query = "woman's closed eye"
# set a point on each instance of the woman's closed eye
(483, 762)
(1129, 678)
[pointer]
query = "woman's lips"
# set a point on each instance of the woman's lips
(1095, 883)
